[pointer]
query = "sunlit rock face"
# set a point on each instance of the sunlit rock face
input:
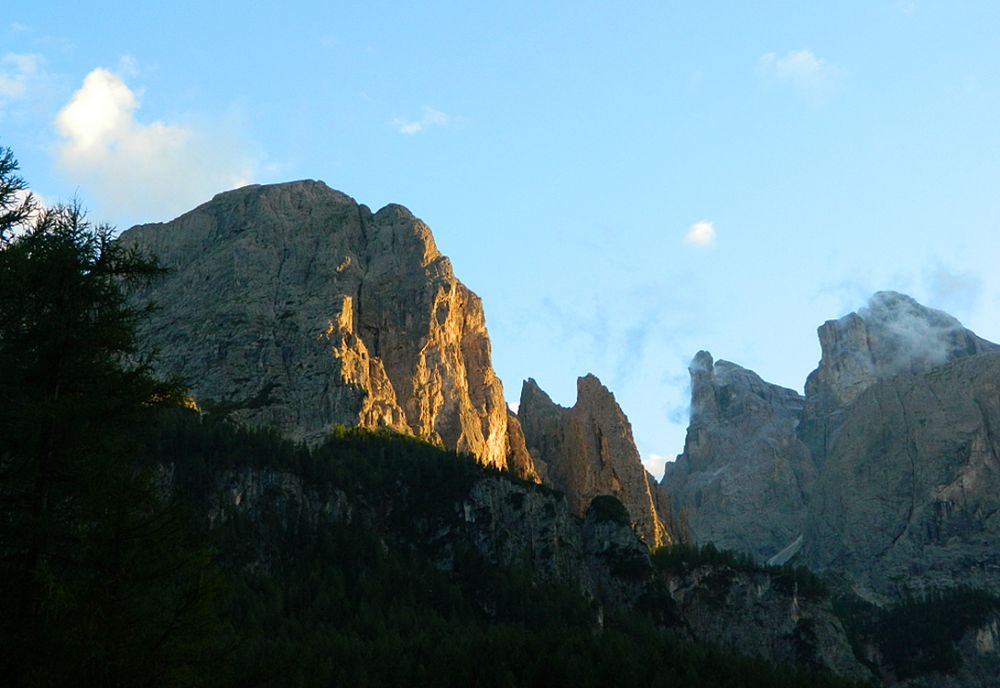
(743, 480)
(588, 450)
(292, 306)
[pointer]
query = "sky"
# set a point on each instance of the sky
(623, 183)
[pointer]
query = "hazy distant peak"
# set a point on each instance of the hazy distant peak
(892, 334)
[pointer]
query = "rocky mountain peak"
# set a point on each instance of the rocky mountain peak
(892, 334)
(291, 305)
(741, 453)
(722, 390)
(588, 450)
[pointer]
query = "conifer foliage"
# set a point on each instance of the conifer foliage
(100, 584)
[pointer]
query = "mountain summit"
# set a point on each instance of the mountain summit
(293, 306)
(886, 471)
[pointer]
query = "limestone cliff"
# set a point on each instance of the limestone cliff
(759, 613)
(891, 335)
(292, 306)
(900, 417)
(887, 472)
(909, 496)
(588, 450)
(744, 477)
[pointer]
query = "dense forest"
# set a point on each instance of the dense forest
(120, 569)
(359, 604)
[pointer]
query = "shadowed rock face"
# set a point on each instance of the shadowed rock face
(888, 469)
(900, 418)
(744, 477)
(588, 450)
(292, 306)
(909, 496)
(890, 336)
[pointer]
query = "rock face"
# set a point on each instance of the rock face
(891, 336)
(744, 478)
(887, 472)
(758, 614)
(909, 496)
(588, 450)
(292, 306)
(900, 416)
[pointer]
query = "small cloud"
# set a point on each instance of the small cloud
(40, 203)
(655, 464)
(408, 128)
(153, 169)
(701, 234)
(18, 27)
(907, 7)
(431, 117)
(16, 72)
(514, 406)
(814, 77)
(20, 196)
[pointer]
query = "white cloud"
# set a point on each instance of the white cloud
(430, 117)
(16, 71)
(18, 27)
(514, 406)
(701, 234)
(655, 464)
(152, 170)
(40, 203)
(814, 77)
(40, 206)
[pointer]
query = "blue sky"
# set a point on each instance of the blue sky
(623, 183)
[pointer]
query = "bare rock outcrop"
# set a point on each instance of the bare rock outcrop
(760, 614)
(588, 451)
(743, 480)
(887, 472)
(892, 335)
(292, 306)
(900, 417)
(909, 496)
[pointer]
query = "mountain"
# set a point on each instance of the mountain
(292, 306)
(909, 495)
(294, 309)
(588, 450)
(892, 335)
(886, 471)
(744, 478)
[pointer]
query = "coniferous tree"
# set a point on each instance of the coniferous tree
(100, 584)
